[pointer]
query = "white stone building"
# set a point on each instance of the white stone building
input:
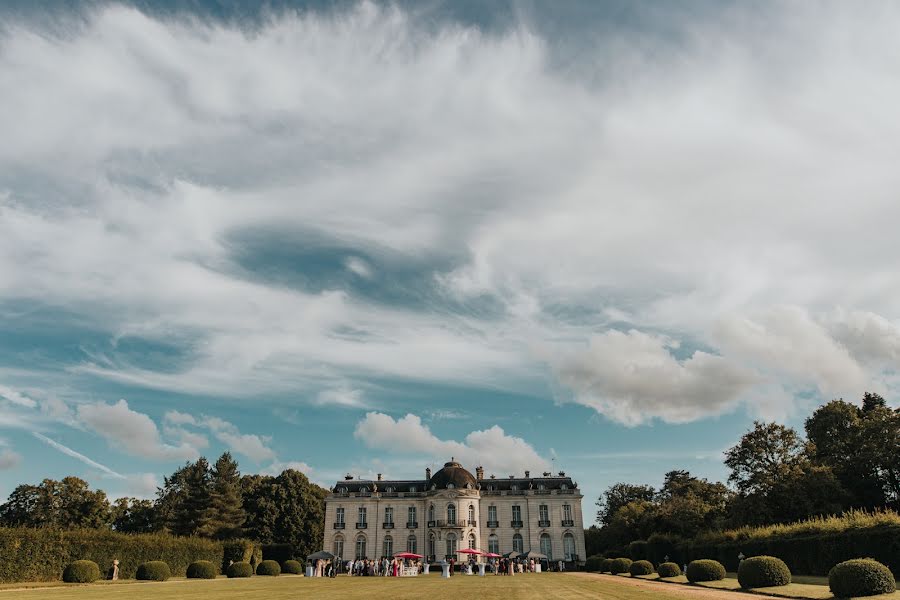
(453, 509)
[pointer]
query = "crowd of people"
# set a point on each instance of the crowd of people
(386, 567)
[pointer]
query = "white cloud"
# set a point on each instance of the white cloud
(341, 396)
(251, 446)
(104, 470)
(358, 266)
(277, 467)
(491, 448)
(16, 397)
(9, 459)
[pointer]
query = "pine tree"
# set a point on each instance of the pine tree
(225, 514)
(189, 497)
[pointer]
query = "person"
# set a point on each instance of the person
(560, 566)
(452, 564)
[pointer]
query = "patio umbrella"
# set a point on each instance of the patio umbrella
(470, 551)
(512, 554)
(492, 555)
(533, 554)
(407, 555)
(321, 555)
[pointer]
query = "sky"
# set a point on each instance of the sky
(364, 237)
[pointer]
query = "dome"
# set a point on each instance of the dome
(452, 473)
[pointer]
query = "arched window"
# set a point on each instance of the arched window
(360, 547)
(471, 541)
(411, 544)
(451, 545)
(431, 513)
(494, 543)
(387, 548)
(431, 548)
(569, 546)
(339, 546)
(451, 513)
(546, 546)
(450, 486)
(518, 545)
(471, 515)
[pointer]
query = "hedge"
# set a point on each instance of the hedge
(669, 569)
(606, 565)
(619, 565)
(705, 570)
(239, 569)
(43, 554)
(293, 567)
(155, 570)
(641, 567)
(594, 564)
(268, 567)
(278, 552)
(81, 571)
(763, 571)
(861, 577)
(202, 569)
(235, 551)
(638, 550)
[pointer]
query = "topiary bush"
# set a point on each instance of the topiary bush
(268, 567)
(239, 569)
(593, 564)
(606, 565)
(81, 571)
(619, 565)
(763, 571)
(638, 549)
(669, 569)
(705, 570)
(155, 570)
(293, 567)
(860, 577)
(202, 569)
(641, 567)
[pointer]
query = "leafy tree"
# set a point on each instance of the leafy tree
(69, 503)
(617, 496)
(133, 515)
(225, 515)
(688, 505)
(765, 456)
(634, 521)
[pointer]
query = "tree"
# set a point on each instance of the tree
(617, 496)
(225, 516)
(184, 499)
(689, 505)
(133, 515)
(765, 456)
(67, 504)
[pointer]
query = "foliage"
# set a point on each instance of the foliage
(278, 552)
(594, 564)
(268, 567)
(202, 569)
(641, 567)
(619, 565)
(669, 569)
(133, 515)
(617, 496)
(68, 504)
(239, 569)
(763, 571)
(594, 541)
(860, 577)
(154, 570)
(42, 554)
(81, 571)
(663, 547)
(705, 570)
(184, 499)
(225, 514)
(246, 551)
(292, 567)
(638, 550)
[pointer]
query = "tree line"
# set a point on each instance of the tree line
(198, 499)
(848, 459)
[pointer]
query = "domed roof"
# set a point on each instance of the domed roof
(453, 472)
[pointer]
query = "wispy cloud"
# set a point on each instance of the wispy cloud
(78, 456)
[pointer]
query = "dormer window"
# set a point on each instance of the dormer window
(343, 490)
(364, 490)
(388, 489)
(412, 488)
(564, 487)
(542, 487)
(450, 486)
(514, 488)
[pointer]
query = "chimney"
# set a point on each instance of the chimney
(348, 477)
(562, 473)
(427, 472)
(379, 477)
(479, 472)
(527, 474)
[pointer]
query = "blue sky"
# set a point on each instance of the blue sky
(599, 237)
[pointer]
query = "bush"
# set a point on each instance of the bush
(593, 564)
(268, 567)
(619, 565)
(155, 570)
(293, 567)
(202, 569)
(81, 571)
(239, 569)
(860, 577)
(763, 571)
(638, 550)
(278, 552)
(641, 567)
(705, 570)
(664, 547)
(606, 565)
(669, 569)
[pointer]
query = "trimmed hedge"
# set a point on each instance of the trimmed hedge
(619, 565)
(641, 567)
(278, 552)
(665, 547)
(860, 577)
(638, 550)
(246, 551)
(81, 571)
(202, 569)
(239, 569)
(669, 569)
(293, 567)
(606, 565)
(705, 570)
(763, 571)
(268, 567)
(594, 564)
(43, 554)
(155, 570)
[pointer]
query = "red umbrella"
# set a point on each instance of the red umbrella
(492, 555)
(407, 555)
(470, 551)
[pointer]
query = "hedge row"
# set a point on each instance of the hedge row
(43, 554)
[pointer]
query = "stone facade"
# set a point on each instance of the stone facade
(453, 509)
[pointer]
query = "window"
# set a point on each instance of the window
(411, 544)
(471, 514)
(451, 545)
(389, 515)
(546, 546)
(360, 547)
(471, 541)
(494, 543)
(339, 547)
(362, 515)
(450, 486)
(542, 487)
(339, 515)
(516, 512)
(364, 490)
(451, 513)
(411, 514)
(567, 512)
(564, 487)
(387, 548)
(343, 490)
(412, 488)
(543, 513)
(431, 549)
(518, 543)
(389, 490)
(569, 546)
(492, 513)
(431, 513)
(514, 487)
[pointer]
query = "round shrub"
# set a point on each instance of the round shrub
(202, 569)
(294, 567)
(239, 569)
(155, 570)
(669, 569)
(705, 570)
(593, 564)
(606, 565)
(860, 577)
(81, 571)
(641, 567)
(619, 565)
(268, 567)
(763, 571)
